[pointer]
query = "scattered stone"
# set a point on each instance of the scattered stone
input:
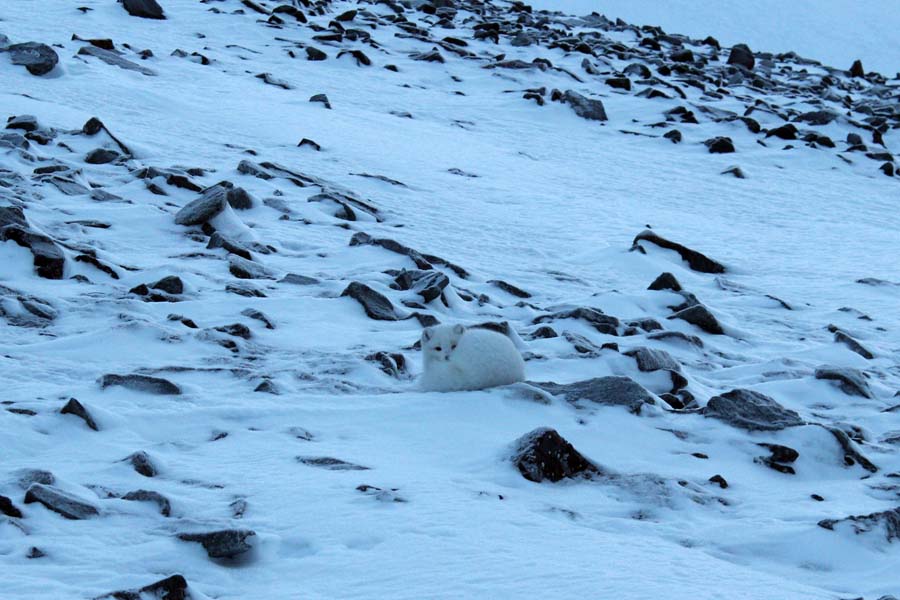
(544, 332)
(174, 587)
(29, 476)
(321, 98)
(147, 9)
(35, 552)
(649, 359)
(778, 456)
(376, 305)
(272, 80)
(23, 122)
(684, 55)
(226, 543)
(428, 284)
(247, 269)
(252, 313)
(666, 281)
(379, 494)
(38, 58)
(736, 171)
(165, 507)
(392, 363)
(610, 391)
(887, 521)
(8, 508)
(718, 479)
(69, 506)
(49, 260)
(720, 145)
(315, 54)
(852, 456)
(742, 56)
(603, 323)
(101, 156)
(586, 108)
(510, 288)
(696, 260)
(673, 135)
(141, 383)
(700, 316)
(851, 381)
(236, 330)
(295, 279)
(74, 407)
(142, 464)
(332, 464)
(544, 454)
(856, 69)
(750, 410)
(111, 58)
(845, 338)
(310, 143)
(785, 132)
(823, 117)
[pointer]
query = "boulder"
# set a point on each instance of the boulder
(666, 281)
(696, 260)
(609, 391)
(147, 9)
(74, 407)
(586, 108)
(38, 58)
(700, 316)
(376, 305)
(741, 55)
(226, 543)
(544, 454)
(69, 506)
(720, 145)
(750, 410)
(141, 383)
(851, 381)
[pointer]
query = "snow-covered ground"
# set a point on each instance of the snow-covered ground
(474, 173)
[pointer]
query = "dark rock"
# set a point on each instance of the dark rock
(718, 479)
(746, 409)
(315, 54)
(854, 139)
(141, 383)
(322, 98)
(112, 58)
(817, 497)
(851, 381)
(544, 332)
(174, 587)
(74, 407)
(246, 290)
(544, 454)
(227, 543)
(267, 386)
(785, 132)
(610, 391)
(779, 453)
(856, 69)
(270, 79)
(147, 9)
(380, 494)
(295, 279)
(142, 464)
(852, 456)
(888, 169)
(720, 145)
(428, 284)
(101, 156)
(666, 281)
(696, 260)
(887, 521)
(433, 56)
(603, 323)
(423, 261)
(392, 363)
(586, 108)
(236, 330)
(332, 464)
(821, 117)
(619, 83)
(700, 316)
(247, 269)
(252, 313)
(49, 260)
(376, 305)
(310, 143)
(69, 506)
(736, 171)
(23, 122)
(845, 338)
(673, 135)
(639, 70)
(742, 56)
(204, 208)
(649, 359)
(217, 240)
(684, 55)
(165, 507)
(38, 58)
(359, 55)
(9, 509)
(29, 476)
(510, 288)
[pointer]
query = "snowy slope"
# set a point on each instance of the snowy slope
(506, 189)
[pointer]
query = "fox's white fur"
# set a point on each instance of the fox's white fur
(455, 358)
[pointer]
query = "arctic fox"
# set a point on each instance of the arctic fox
(456, 358)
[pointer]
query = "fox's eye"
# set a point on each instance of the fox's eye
(438, 348)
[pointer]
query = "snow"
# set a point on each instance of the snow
(554, 209)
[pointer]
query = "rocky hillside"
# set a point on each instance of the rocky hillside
(224, 224)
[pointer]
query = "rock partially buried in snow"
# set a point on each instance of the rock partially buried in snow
(651, 359)
(147, 9)
(38, 58)
(700, 316)
(666, 281)
(742, 56)
(543, 454)
(165, 507)
(888, 522)
(851, 381)
(9, 509)
(586, 108)
(141, 383)
(69, 506)
(74, 407)
(696, 260)
(174, 587)
(611, 391)
(142, 464)
(376, 305)
(226, 543)
(750, 410)
(720, 145)
(330, 463)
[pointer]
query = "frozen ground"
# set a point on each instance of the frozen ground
(507, 189)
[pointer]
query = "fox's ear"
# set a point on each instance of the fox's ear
(427, 334)
(458, 329)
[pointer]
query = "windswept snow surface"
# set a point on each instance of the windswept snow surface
(475, 174)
